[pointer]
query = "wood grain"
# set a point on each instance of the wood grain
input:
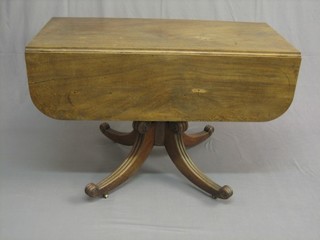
(161, 70)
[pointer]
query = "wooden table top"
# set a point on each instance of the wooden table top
(161, 70)
(160, 34)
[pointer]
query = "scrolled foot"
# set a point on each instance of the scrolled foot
(104, 127)
(191, 140)
(225, 192)
(92, 190)
(209, 129)
(118, 137)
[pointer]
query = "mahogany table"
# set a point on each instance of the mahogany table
(160, 74)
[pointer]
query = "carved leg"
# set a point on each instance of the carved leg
(140, 150)
(119, 137)
(177, 152)
(191, 140)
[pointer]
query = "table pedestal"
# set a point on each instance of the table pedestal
(144, 136)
